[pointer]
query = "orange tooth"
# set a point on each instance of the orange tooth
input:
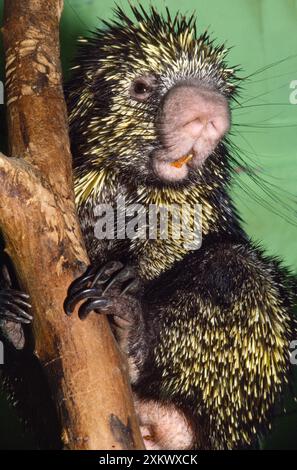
(181, 161)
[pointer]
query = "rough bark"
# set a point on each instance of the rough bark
(85, 371)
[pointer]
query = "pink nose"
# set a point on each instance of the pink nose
(196, 115)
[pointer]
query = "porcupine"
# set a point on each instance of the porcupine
(207, 331)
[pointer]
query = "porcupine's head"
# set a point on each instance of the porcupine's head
(150, 100)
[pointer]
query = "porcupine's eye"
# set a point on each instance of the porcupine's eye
(141, 89)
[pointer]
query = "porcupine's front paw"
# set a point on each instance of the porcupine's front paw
(102, 289)
(14, 306)
(114, 290)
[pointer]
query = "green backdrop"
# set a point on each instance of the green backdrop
(263, 33)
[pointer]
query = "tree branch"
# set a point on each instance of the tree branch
(86, 374)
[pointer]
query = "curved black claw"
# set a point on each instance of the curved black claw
(93, 276)
(14, 305)
(82, 281)
(77, 296)
(94, 285)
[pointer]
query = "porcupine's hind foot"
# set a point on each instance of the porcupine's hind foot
(14, 307)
